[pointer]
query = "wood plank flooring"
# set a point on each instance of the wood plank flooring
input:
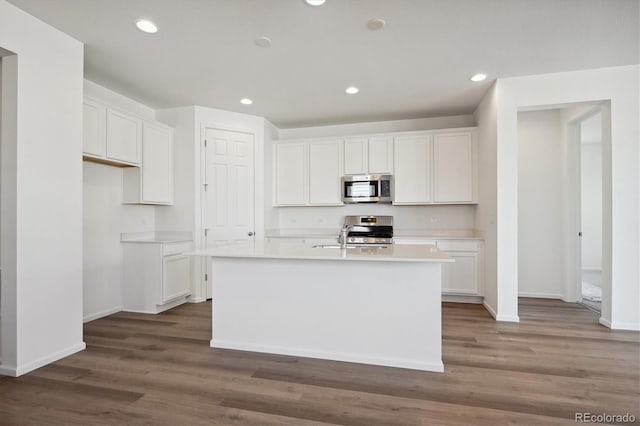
(160, 370)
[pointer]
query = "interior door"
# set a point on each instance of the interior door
(228, 189)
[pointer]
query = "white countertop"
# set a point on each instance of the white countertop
(160, 237)
(283, 250)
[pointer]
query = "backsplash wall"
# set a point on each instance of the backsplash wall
(446, 217)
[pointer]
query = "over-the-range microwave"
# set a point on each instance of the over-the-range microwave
(367, 189)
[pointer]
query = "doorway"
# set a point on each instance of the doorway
(560, 203)
(228, 190)
(591, 211)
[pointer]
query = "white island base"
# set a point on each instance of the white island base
(368, 311)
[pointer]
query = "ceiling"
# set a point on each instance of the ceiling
(418, 65)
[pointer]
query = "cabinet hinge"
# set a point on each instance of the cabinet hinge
(205, 143)
(206, 231)
(206, 277)
(204, 185)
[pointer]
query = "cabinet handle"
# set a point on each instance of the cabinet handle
(250, 234)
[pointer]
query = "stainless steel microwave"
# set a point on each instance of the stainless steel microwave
(367, 189)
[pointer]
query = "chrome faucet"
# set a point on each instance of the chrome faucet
(342, 238)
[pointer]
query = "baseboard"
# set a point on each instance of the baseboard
(334, 356)
(541, 295)
(15, 371)
(604, 322)
(457, 298)
(508, 318)
(489, 308)
(101, 314)
(614, 325)
(196, 299)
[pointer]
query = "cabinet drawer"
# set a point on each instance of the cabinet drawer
(175, 248)
(458, 245)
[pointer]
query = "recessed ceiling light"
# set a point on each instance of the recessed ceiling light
(263, 41)
(246, 101)
(352, 90)
(478, 77)
(376, 24)
(146, 26)
(315, 2)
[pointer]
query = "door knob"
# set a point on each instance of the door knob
(250, 233)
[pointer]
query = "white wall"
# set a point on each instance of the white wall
(541, 160)
(105, 218)
(379, 127)
(619, 85)
(591, 205)
(486, 212)
(42, 255)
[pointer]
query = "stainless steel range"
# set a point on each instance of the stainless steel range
(368, 229)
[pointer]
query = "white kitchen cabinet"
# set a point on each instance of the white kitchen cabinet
(157, 275)
(368, 155)
(461, 278)
(325, 172)
(453, 168)
(412, 156)
(110, 136)
(124, 137)
(94, 130)
(291, 174)
(152, 182)
(308, 173)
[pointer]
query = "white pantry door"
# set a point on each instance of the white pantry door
(228, 189)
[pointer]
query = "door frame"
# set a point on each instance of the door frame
(201, 264)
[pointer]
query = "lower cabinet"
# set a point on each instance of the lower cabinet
(157, 276)
(463, 276)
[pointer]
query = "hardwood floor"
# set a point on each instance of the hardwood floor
(159, 369)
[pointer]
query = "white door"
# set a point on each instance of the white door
(228, 189)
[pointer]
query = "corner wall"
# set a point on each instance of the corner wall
(42, 267)
(486, 116)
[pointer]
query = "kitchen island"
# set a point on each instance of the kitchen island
(372, 305)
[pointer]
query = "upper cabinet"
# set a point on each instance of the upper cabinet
(453, 168)
(412, 179)
(368, 155)
(152, 183)
(143, 147)
(325, 173)
(428, 167)
(110, 136)
(124, 137)
(291, 174)
(94, 130)
(308, 173)
(435, 168)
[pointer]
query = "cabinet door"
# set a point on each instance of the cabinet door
(124, 137)
(412, 166)
(355, 156)
(291, 174)
(325, 172)
(381, 155)
(157, 164)
(94, 119)
(453, 168)
(461, 277)
(175, 277)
